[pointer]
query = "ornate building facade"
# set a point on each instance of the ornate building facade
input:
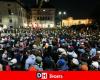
(43, 17)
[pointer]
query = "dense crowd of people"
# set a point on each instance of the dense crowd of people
(56, 50)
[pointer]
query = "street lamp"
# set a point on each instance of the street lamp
(44, 17)
(64, 13)
(61, 14)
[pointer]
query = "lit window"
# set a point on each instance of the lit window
(46, 18)
(9, 4)
(42, 18)
(0, 20)
(10, 20)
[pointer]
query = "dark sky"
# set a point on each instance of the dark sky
(75, 8)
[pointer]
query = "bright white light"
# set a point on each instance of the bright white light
(25, 24)
(44, 10)
(4, 27)
(60, 13)
(64, 13)
(51, 25)
(46, 0)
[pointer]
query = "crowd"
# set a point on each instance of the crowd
(56, 50)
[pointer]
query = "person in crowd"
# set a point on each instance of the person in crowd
(53, 49)
(93, 50)
(94, 66)
(74, 65)
(62, 65)
(39, 64)
(30, 61)
(84, 66)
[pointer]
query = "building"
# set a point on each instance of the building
(43, 17)
(70, 21)
(29, 18)
(12, 14)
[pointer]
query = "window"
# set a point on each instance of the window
(45, 18)
(10, 20)
(9, 11)
(0, 20)
(19, 13)
(37, 18)
(9, 4)
(48, 18)
(41, 18)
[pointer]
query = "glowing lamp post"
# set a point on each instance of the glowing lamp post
(61, 14)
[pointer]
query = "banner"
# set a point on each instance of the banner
(50, 75)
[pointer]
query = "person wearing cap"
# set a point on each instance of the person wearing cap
(94, 66)
(62, 65)
(74, 65)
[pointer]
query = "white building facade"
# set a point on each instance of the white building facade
(12, 14)
(43, 18)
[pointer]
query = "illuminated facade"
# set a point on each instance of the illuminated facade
(70, 21)
(12, 14)
(43, 18)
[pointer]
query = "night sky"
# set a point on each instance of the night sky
(75, 8)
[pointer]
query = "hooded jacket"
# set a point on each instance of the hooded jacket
(30, 61)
